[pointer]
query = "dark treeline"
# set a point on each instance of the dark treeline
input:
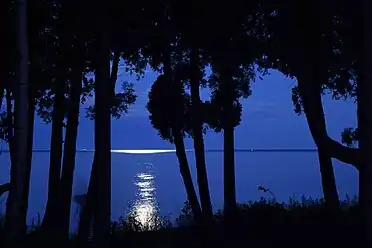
(52, 47)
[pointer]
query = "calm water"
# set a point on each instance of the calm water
(144, 180)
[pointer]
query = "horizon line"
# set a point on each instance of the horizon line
(154, 151)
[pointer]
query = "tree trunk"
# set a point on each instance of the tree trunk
(69, 155)
(229, 173)
(310, 85)
(31, 124)
(102, 141)
(227, 88)
(17, 203)
(313, 109)
(202, 176)
(178, 138)
(30, 141)
(86, 214)
(186, 176)
(50, 221)
(310, 89)
(330, 193)
(328, 183)
(365, 128)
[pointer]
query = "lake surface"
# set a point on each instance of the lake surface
(144, 180)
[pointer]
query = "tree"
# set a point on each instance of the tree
(17, 203)
(335, 60)
(69, 58)
(289, 60)
(164, 37)
(168, 105)
(230, 80)
(102, 128)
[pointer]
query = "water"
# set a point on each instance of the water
(145, 180)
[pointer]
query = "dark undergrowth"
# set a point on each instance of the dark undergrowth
(263, 223)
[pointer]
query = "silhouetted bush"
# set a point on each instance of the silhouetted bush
(265, 223)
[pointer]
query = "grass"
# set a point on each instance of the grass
(263, 223)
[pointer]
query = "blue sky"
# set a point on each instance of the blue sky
(268, 119)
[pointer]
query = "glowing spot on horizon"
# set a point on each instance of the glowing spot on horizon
(142, 151)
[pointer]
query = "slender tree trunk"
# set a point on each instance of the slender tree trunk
(328, 182)
(102, 141)
(17, 202)
(186, 176)
(30, 140)
(202, 176)
(86, 214)
(332, 202)
(310, 89)
(178, 138)
(50, 220)
(31, 124)
(229, 173)
(69, 155)
(311, 96)
(365, 129)
(227, 87)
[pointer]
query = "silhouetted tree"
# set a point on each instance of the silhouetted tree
(17, 203)
(333, 48)
(281, 24)
(168, 105)
(230, 80)
(189, 22)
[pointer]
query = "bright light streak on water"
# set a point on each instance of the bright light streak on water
(145, 207)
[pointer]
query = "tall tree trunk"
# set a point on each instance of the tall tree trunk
(30, 139)
(328, 182)
(229, 173)
(68, 166)
(86, 214)
(31, 124)
(178, 137)
(17, 203)
(365, 129)
(227, 88)
(202, 176)
(186, 176)
(50, 221)
(310, 89)
(102, 141)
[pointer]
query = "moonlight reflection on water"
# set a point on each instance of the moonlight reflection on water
(145, 207)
